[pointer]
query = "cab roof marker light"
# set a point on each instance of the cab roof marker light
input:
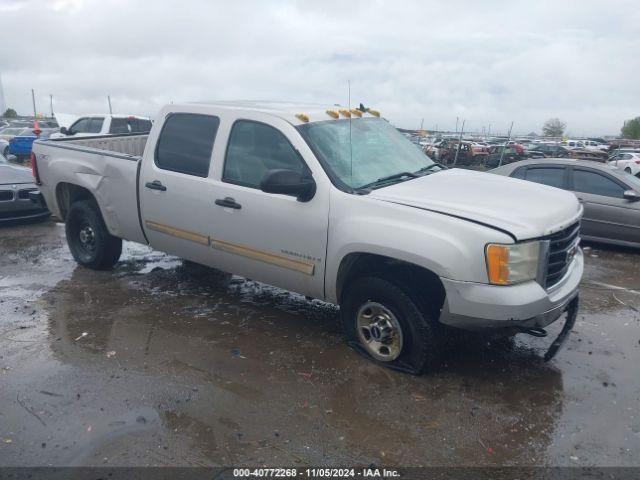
(373, 112)
(333, 113)
(303, 117)
(345, 113)
(356, 112)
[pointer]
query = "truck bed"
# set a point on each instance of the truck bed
(106, 166)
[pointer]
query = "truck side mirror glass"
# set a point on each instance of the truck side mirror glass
(65, 131)
(289, 182)
(631, 196)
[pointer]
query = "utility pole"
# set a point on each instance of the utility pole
(33, 99)
(455, 160)
(421, 124)
(505, 145)
(109, 100)
(3, 106)
(457, 124)
(51, 103)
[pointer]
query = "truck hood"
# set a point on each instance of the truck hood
(14, 175)
(523, 209)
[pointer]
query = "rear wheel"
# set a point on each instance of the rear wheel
(385, 321)
(628, 170)
(90, 242)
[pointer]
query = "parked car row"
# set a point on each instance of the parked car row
(17, 138)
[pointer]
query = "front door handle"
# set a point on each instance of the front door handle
(156, 185)
(228, 202)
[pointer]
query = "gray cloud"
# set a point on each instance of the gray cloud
(488, 62)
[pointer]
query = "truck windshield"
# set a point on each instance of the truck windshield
(377, 150)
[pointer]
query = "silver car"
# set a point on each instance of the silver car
(611, 196)
(16, 184)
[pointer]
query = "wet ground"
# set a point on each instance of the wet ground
(155, 363)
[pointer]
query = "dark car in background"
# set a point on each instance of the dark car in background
(611, 196)
(546, 150)
(16, 183)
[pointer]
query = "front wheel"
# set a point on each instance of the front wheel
(90, 242)
(383, 320)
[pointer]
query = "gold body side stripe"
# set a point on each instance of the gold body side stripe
(307, 268)
(178, 232)
(284, 262)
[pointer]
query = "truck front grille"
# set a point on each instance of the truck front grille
(562, 247)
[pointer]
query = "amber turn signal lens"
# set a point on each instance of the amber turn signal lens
(498, 264)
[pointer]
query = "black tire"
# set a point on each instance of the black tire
(420, 347)
(628, 170)
(5, 153)
(90, 242)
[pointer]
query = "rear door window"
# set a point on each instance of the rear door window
(552, 176)
(586, 181)
(119, 126)
(519, 173)
(186, 143)
(141, 125)
(95, 125)
(81, 126)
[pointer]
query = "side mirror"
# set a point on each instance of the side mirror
(289, 182)
(65, 131)
(631, 195)
(12, 158)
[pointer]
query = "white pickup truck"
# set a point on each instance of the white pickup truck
(101, 124)
(331, 203)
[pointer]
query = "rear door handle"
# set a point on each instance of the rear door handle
(156, 185)
(228, 202)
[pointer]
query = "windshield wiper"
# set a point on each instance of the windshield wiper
(429, 167)
(388, 178)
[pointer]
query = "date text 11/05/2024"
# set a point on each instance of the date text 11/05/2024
(315, 473)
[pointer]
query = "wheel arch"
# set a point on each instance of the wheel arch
(420, 279)
(69, 193)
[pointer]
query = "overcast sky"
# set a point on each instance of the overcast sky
(488, 62)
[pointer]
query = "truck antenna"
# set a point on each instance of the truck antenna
(350, 144)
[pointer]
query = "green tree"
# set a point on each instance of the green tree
(631, 129)
(10, 113)
(554, 127)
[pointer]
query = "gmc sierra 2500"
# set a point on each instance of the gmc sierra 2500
(332, 203)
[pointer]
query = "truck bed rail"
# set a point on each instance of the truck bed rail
(128, 147)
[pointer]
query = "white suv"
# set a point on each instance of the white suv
(96, 125)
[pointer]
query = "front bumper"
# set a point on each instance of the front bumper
(479, 306)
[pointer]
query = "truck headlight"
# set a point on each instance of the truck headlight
(515, 263)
